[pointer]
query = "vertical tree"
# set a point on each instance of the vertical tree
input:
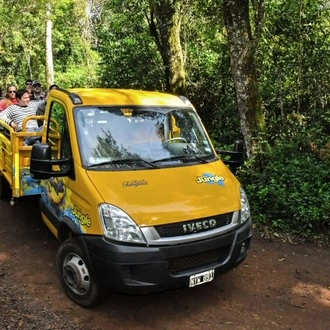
(85, 11)
(242, 47)
(165, 24)
(129, 55)
(49, 48)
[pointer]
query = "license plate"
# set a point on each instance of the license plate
(201, 278)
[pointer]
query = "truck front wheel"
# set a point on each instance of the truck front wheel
(75, 276)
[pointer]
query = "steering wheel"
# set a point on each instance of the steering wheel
(179, 138)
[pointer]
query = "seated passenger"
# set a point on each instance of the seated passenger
(14, 115)
(9, 99)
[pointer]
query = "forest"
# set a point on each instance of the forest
(255, 70)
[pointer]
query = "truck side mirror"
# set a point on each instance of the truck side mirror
(40, 153)
(41, 164)
(235, 158)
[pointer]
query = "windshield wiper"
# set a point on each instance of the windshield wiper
(181, 157)
(122, 161)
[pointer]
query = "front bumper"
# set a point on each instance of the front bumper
(139, 270)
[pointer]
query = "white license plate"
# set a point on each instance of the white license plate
(201, 278)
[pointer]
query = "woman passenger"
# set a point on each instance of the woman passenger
(10, 98)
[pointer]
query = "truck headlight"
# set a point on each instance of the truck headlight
(117, 225)
(245, 207)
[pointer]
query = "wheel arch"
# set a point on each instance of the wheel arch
(68, 230)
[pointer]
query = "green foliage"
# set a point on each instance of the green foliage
(287, 180)
(130, 59)
(108, 43)
(129, 56)
(22, 43)
(209, 82)
(293, 58)
(75, 62)
(288, 185)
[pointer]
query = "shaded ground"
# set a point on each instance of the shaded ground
(279, 286)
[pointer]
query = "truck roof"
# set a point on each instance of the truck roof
(109, 96)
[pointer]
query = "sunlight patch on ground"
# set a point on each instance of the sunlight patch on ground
(3, 257)
(315, 291)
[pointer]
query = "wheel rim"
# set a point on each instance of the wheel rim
(75, 274)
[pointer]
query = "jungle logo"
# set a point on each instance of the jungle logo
(84, 219)
(210, 178)
(134, 184)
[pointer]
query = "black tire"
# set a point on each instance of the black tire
(75, 275)
(5, 191)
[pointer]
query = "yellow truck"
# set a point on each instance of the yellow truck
(133, 189)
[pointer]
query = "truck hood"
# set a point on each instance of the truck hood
(168, 195)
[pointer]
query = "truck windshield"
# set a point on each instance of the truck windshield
(125, 137)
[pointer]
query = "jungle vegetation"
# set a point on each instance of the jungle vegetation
(256, 70)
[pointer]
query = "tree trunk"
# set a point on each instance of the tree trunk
(243, 67)
(49, 49)
(165, 24)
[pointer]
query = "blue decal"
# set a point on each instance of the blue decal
(210, 178)
(29, 185)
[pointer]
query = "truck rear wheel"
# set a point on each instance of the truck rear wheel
(5, 191)
(75, 276)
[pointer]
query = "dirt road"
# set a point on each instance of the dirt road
(279, 286)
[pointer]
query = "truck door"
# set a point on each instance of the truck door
(58, 137)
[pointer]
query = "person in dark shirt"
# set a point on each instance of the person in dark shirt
(37, 91)
(28, 85)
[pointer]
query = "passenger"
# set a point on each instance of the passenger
(54, 86)
(37, 91)
(42, 108)
(10, 98)
(15, 114)
(31, 95)
(28, 85)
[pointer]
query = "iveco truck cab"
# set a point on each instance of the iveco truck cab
(132, 187)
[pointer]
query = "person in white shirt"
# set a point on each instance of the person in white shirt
(15, 114)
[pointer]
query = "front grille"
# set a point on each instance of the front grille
(177, 229)
(185, 263)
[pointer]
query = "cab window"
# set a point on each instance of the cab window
(58, 132)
